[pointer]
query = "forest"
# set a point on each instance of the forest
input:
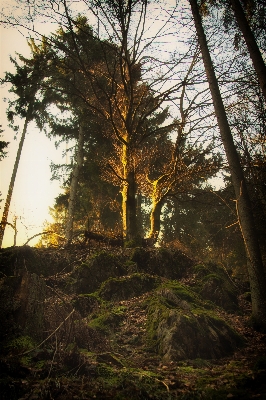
(150, 281)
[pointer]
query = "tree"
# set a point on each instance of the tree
(178, 162)
(243, 205)
(251, 43)
(74, 184)
(3, 146)
(26, 83)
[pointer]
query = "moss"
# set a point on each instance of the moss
(108, 319)
(134, 242)
(159, 306)
(20, 345)
(215, 277)
(132, 383)
(122, 288)
(182, 291)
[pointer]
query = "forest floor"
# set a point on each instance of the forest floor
(120, 366)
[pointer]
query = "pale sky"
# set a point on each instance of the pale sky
(33, 192)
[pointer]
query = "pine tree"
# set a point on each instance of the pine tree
(25, 84)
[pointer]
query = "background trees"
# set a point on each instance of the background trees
(25, 84)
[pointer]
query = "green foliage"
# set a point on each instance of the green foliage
(3, 145)
(108, 319)
(20, 345)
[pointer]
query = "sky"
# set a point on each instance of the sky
(34, 192)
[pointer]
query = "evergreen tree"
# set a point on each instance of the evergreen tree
(25, 84)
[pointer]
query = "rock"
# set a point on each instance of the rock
(180, 328)
(88, 277)
(215, 285)
(123, 288)
(188, 336)
(85, 304)
(163, 262)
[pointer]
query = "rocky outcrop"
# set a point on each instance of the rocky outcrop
(180, 326)
(171, 264)
(214, 284)
(89, 276)
(126, 287)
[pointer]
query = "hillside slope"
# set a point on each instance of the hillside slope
(124, 324)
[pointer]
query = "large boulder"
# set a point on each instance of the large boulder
(214, 284)
(180, 327)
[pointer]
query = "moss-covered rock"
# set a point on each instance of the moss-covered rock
(214, 284)
(89, 276)
(179, 327)
(86, 304)
(107, 319)
(46, 262)
(123, 288)
(162, 262)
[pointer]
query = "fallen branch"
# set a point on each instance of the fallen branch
(42, 233)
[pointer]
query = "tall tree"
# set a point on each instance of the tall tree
(25, 84)
(254, 51)
(243, 205)
(74, 184)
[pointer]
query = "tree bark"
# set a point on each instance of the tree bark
(13, 178)
(251, 43)
(155, 219)
(132, 231)
(129, 204)
(243, 204)
(74, 186)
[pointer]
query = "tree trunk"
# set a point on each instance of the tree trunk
(13, 178)
(129, 205)
(251, 43)
(132, 231)
(243, 204)
(155, 219)
(74, 186)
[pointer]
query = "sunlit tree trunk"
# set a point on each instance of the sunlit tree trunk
(251, 43)
(129, 204)
(155, 218)
(243, 204)
(74, 186)
(13, 178)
